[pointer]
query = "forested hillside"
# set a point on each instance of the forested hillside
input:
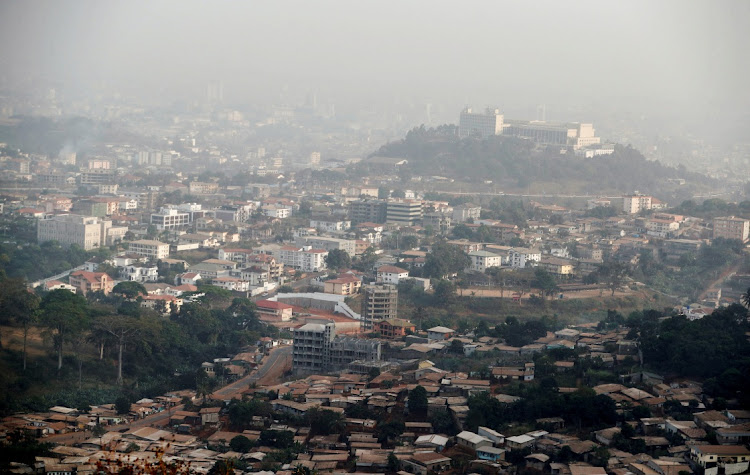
(514, 162)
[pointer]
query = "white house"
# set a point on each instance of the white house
(138, 272)
(273, 211)
(481, 260)
(231, 283)
(191, 278)
(391, 274)
(520, 258)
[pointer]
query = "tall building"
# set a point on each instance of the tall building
(404, 212)
(88, 232)
(633, 204)
(315, 159)
(367, 211)
(480, 124)
(215, 92)
(379, 302)
(732, 228)
(317, 349)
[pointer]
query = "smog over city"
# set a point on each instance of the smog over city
(306, 237)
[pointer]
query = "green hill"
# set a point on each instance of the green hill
(514, 163)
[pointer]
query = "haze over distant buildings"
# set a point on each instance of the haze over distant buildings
(679, 65)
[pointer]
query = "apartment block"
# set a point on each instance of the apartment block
(170, 218)
(303, 258)
(731, 227)
(88, 232)
(380, 302)
(367, 211)
(317, 349)
(152, 249)
(328, 243)
(404, 212)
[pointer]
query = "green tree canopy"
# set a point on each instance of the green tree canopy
(338, 259)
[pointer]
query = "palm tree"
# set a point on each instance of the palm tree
(746, 298)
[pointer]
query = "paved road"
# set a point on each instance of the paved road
(277, 357)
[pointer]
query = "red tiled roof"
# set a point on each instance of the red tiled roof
(270, 304)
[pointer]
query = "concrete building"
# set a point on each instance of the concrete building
(272, 311)
(715, 459)
(331, 225)
(170, 218)
(394, 328)
(367, 211)
(317, 349)
(86, 282)
(732, 228)
(152, 249)
(138, 272)
(328, 243)
(88, 232)
(380, 302)
(465, 212)
(304, 258)
(391, 274)
(345, 284)
(520, 258)
(482, 260)
(572, 134)
(404, 212)
(480, 124)
(632, 204)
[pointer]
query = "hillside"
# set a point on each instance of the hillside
(516, 164)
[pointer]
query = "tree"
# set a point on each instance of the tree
(122, 405)
(18, 305)
(417, 402)
(338, 259)
(445, 259)
(393, 463)
(241, 444)
(64, 312)
(123, 329)
(445, 293)
(544, 281)
(746, 298)
(129, 289)
(614, 274)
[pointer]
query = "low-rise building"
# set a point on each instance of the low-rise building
(391, 274)
(152, 249)
(274, 311)
(139, 272)
(394, 328)
(345, 284)
(716, 459)
(86, 282)
(483, 260)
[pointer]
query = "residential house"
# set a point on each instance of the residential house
(86, 282)
(394, 328)
(344, 284)
(391, 274)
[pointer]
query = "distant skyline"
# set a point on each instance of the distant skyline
(682, 59)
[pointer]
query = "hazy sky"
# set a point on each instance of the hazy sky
(690, 53)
